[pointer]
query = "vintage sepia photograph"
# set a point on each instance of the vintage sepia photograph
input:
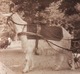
(39, 36)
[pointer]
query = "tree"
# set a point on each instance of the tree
(5, 30)
(69, 6)
(31, 7)
(62, 12)
(72, 14)
(53, 14)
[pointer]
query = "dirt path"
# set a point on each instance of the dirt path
(14, 59)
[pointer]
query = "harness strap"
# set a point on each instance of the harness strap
(10, 18)
(49, 42)
(23, 28)
(37, 34)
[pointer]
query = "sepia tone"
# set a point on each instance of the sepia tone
(39, 37)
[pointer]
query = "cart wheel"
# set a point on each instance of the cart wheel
(78, 62)
(70, 63)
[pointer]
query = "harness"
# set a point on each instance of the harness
(36, 34)
(10, 19)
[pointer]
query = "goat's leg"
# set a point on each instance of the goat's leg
(73, 62)
(28, 50)
(29, 63)
(24, 40)
(29, 60)
(60, 63)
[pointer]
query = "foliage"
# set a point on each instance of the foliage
(5, 30)
(4, 6)
(69, 6)
(54, 15)
(31, 7)
(51, 12)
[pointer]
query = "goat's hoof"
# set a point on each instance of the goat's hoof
(72, 68)
(57, 69)
(25, 70)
